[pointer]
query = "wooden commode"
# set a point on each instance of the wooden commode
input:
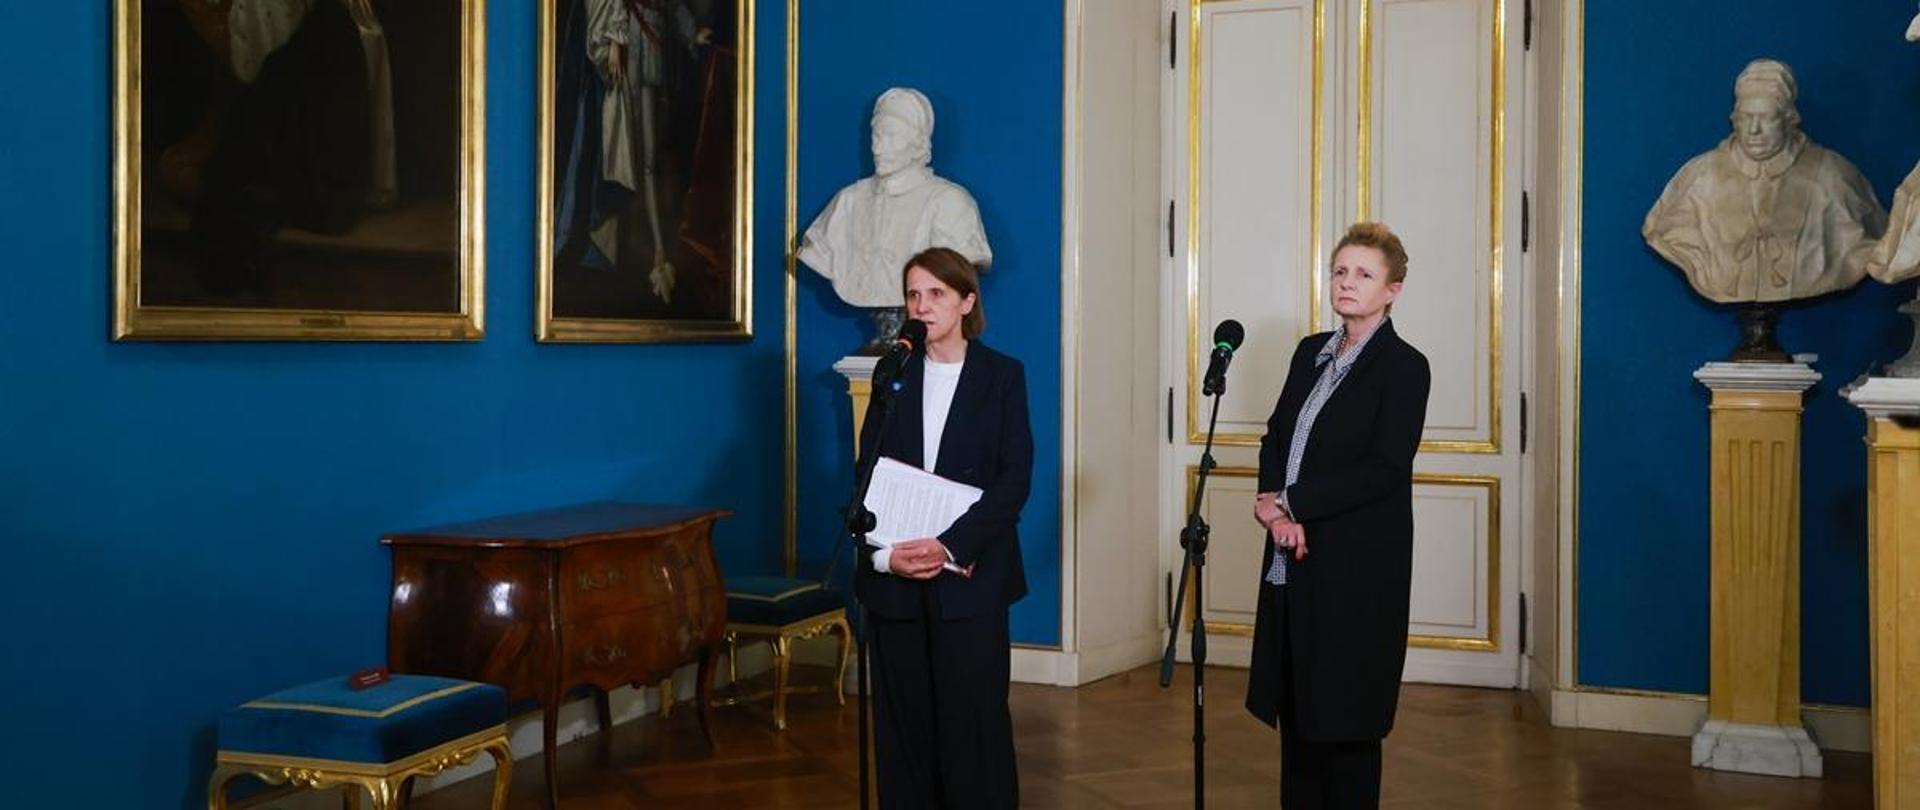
(600, 595)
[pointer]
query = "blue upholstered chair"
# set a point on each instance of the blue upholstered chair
(780, 611)
(325, 734)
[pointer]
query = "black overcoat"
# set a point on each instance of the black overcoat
(1347, 601)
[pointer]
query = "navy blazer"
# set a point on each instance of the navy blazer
(987, 443)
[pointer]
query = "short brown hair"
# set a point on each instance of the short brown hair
(1380, 238)
(953, 270)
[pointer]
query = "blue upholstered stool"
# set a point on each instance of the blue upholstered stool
(325, 734)
(780, 611)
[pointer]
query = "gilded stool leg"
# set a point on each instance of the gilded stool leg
(846, 647)
(666, 698)
(382, 791)
(350, 794)
(733, 654)
(502, 771)
(782, 657)
(217, 786)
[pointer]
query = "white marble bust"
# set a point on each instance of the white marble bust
(1898, 256)
(1767, 215)
(870, 229)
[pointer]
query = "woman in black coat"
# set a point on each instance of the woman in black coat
(937, 606)
(1336, 497)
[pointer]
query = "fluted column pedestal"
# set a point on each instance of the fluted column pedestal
(858, 369)
(1893, 576)
(1753, 711)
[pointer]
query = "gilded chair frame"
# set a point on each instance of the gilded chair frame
(384, 782)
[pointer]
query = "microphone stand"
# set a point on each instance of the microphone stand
(860, 521)
(1193, 538)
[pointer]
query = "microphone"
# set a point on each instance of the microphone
(1226, 338)
(912, 338)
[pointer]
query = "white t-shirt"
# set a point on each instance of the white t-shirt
(936, 401)
(942, 379)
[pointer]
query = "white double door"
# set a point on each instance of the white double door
(1286, 121)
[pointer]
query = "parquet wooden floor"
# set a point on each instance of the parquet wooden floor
(1126, 743)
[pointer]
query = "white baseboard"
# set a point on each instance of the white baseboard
(1540, 683)
(1223, 650)
(1047, 667)
(1490, 675)
(1834, 728)
(1119, 656)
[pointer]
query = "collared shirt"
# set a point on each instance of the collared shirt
(1331, 374)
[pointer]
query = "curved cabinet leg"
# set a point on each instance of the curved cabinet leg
(550, 718)
(603, 708)
(709, 661)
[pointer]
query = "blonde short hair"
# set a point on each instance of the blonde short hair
(1381, 238)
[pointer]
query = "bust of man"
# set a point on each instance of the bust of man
(872, 227)
(1898, 257)
(1767, 216)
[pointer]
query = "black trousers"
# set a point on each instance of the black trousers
(943, 735)
(1318, 774)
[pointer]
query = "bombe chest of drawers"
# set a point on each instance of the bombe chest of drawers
(597, 595)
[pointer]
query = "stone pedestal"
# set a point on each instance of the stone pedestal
(858, 369)
(1908, 367)
(1753, 711)
(1892, 407)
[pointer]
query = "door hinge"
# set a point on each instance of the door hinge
(1523, 421)
(1523, 623)
(1169, 229)
(1526, 26)
(1169, 414)
(1173, 38)
(1526, 222)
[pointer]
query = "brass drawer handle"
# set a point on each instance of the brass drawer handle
(604, 656)
(605, 579)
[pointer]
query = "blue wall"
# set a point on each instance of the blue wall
(993, 74)
(1659, 78)
(189, 526)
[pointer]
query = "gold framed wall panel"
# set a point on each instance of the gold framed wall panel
(1363, 195)
(737, 323)
(136, 317)
(1491, 641)
(790, 283)
(1315, 262)
(1487, 643)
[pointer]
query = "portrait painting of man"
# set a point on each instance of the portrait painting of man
(299, 169)
(645, 107)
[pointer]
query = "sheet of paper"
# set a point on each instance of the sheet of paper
(909, 503)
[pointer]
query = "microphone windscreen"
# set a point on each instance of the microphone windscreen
(914, 331)
(1229, 332)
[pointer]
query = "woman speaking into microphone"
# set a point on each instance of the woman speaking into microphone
(1336, 499)
(938, 605)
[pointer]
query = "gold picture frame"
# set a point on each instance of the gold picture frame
(204, 250)
(680, 174)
